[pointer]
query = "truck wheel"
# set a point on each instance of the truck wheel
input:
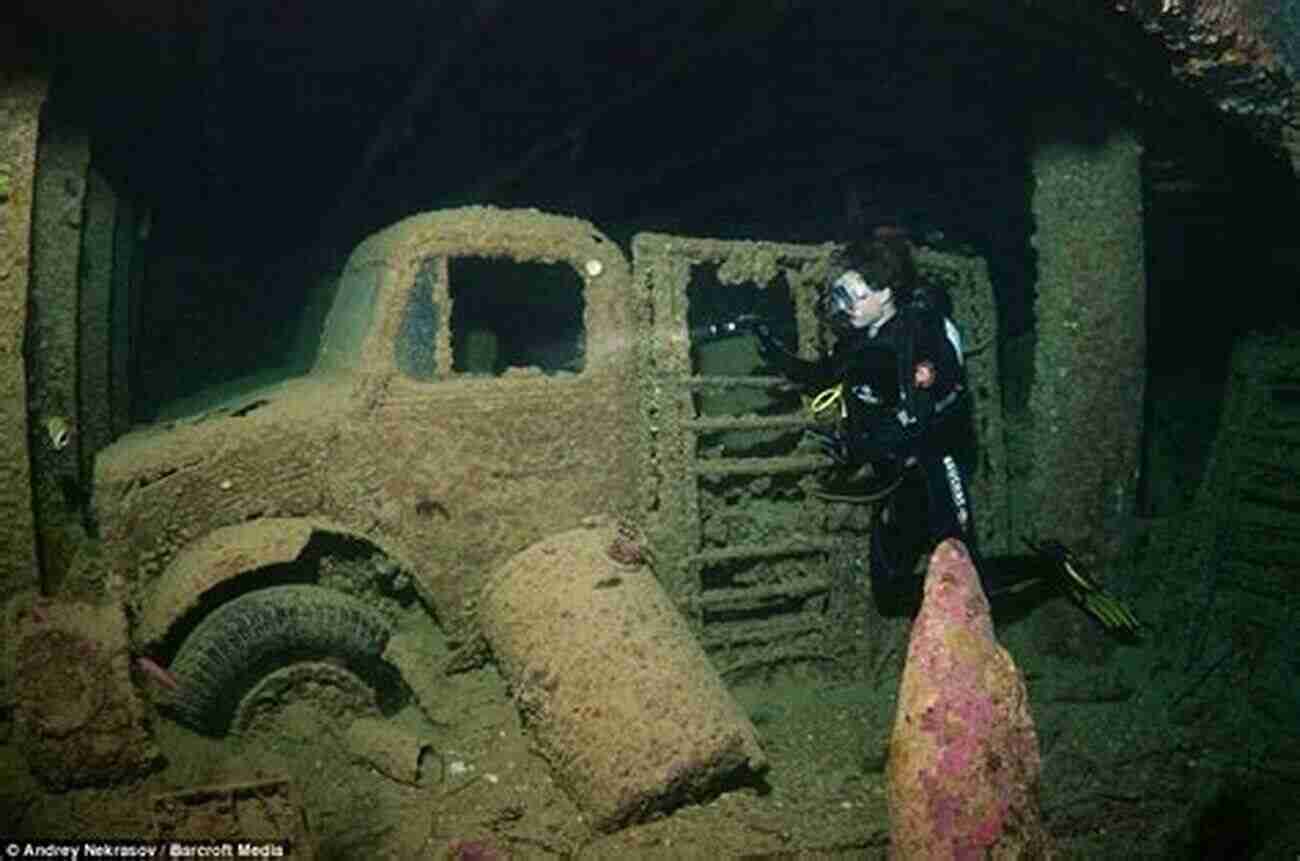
(252, 635)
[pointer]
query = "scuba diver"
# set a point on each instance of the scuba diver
(894, 386)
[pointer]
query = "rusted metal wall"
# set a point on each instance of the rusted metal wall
(21, 97)
(1233, 53)
(59, 198)
(95, 401)
(1085, 403)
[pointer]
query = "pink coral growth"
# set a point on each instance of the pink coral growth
(963, 755)
(158, 673)
(474, 850)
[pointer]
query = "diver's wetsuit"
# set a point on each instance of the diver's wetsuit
(904, 404)
(930, 427)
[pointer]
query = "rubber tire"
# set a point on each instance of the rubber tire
(243, 640)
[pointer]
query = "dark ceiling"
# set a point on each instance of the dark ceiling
(254, 129)
(268, 137)
(260, 124)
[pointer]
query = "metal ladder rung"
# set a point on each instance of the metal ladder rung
(737, 598)
(710, 381)
(721, 635)
(751, 422)
(741, 552)
(1270, 440)
(761, 465)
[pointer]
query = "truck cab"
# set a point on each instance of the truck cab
(487, 378)
(431, 427)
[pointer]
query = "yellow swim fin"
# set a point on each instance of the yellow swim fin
(1111, 612)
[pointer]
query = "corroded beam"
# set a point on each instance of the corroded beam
(21, 96)
(1233, 53)
(1240, 56)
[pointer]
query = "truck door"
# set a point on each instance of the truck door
(767, 570)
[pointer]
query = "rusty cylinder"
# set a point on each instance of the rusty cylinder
(618, 694)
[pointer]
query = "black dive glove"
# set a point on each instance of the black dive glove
(784, 361)
(832, 443)
(848, 448)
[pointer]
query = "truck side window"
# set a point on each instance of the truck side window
(417, 337)
(508, 314)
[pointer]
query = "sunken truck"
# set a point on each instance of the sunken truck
(534, 441)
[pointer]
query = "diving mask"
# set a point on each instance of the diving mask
(845, 292)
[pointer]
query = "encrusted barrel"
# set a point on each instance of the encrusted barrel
(617, 693)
